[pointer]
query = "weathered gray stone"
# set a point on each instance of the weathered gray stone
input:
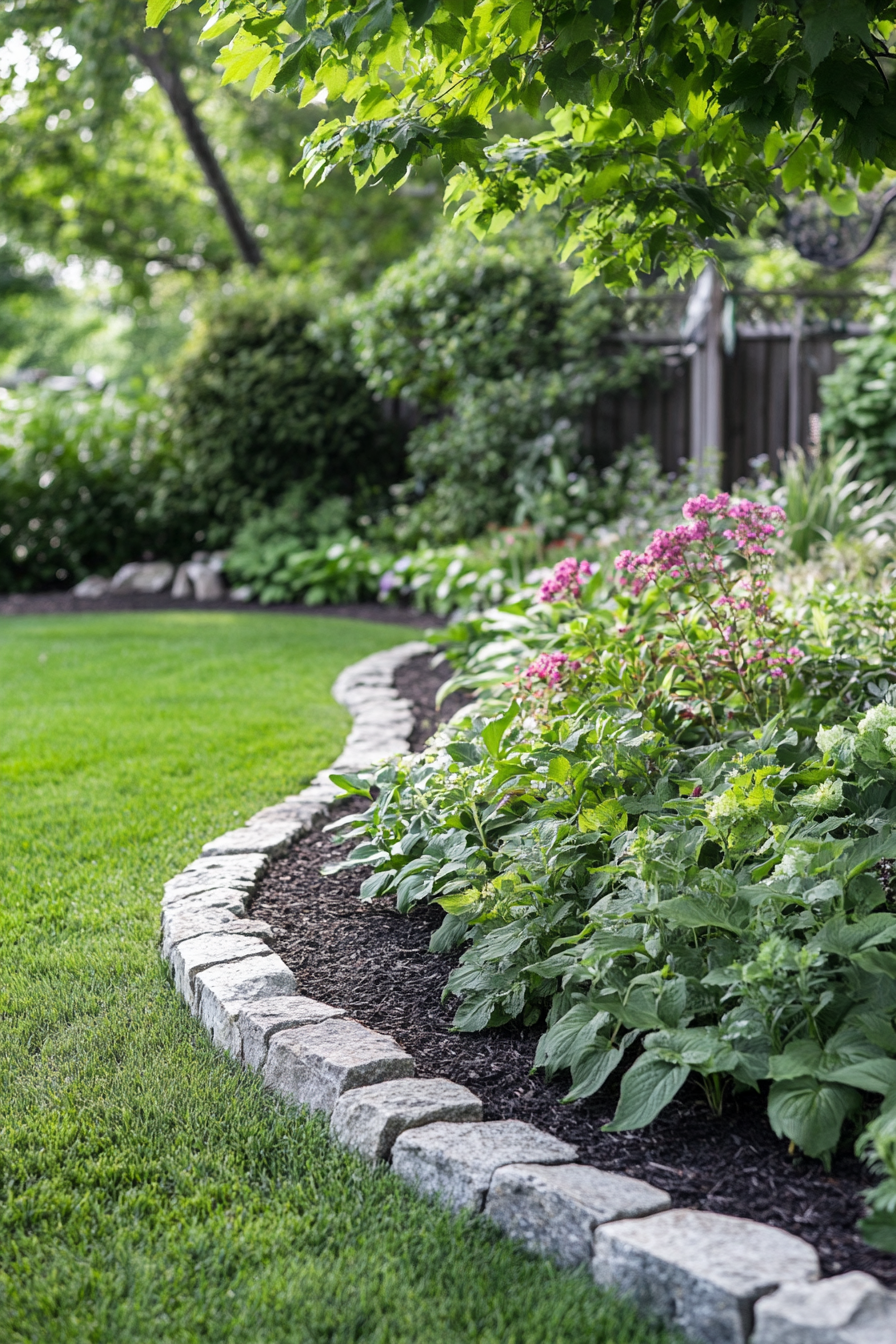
(196, 889)
(456, 1162)
(248, 865)
(151, 576)
(210, 949)
(313, 1066)
(369, 1119)
(700, 1271)
(223, 991)
(179, 924)
(272, 838)
(257, 1022)
(554, 1210)
(93, 586)
(849, 1309)
(216, 898)
(237, 871)
(303, 814)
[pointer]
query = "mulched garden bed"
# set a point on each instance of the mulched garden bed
(49, 604)
(374, 963)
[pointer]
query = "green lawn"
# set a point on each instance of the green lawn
(150, 1190)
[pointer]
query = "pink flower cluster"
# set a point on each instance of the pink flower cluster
(565, 584)
(687, 550)
(551, 668)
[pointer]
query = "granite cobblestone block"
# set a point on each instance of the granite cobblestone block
(554, 1210)
(187, 959)
(456, 1162)
(701, 1272)
(178, 925)
(368, 1120)
(256, 1023)
(222, 991)
(848, 1309)
(313, 1066)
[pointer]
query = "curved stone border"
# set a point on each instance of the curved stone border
(721, 1280)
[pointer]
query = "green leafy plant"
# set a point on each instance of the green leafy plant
(500, 366)
(260, 406)
(78, 478)
(684, 893)
(829, 501)
(668, 125)
(858, 396)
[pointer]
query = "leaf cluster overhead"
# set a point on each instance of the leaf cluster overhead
(669, 123)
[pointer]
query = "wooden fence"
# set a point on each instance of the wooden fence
(741, 375)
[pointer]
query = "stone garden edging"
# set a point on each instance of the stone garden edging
(721, 1280)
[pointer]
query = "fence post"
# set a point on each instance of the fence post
(703, 325)
(793, 376)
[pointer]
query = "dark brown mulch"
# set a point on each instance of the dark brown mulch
(375, 963)
(45, 604)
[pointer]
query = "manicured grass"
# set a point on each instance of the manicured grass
(150, 1190)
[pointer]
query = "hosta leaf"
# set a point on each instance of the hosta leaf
(649, 1085)
(707, 912)
(375, 885)
(592, 1070)
(352, 784)
(811, 1113)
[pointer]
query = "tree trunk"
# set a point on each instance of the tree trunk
(166, 72)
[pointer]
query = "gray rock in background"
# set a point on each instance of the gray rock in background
(223, 991)
(257, 1023)
(554, 1210)
(200, 579)
(92, 587)
(369, 1119)
(701, 1272)
(178, 924)
(148, 576)
(456, 1162)
(849, 1309)
(187, 959)
(313, 1066)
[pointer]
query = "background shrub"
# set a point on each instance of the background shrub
(500, 363)
(78, 477)
(261, 404)
(860, 396)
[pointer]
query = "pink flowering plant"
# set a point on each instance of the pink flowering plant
(727, 650)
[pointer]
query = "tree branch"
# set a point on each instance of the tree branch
(158, 60)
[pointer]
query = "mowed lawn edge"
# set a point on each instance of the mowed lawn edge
(150, 1189)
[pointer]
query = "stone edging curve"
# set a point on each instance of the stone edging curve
(721, 1280)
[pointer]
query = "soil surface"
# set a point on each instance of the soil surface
(374, 963)
(46, 604)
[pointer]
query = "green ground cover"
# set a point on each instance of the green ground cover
(148, 1189)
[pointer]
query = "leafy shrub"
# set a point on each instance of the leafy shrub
(829, 502)
(692, 892)
(78, 476)
(878, 1146)
(501, 364)
(859, 397)
(260, 405)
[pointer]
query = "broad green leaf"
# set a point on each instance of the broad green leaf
(493, 733)
(649, 1085)
(811, 1113)
(352, 784)
(707, 912)
(592, 1069)
(157, 9)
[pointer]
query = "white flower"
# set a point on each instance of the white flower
(724, 808)
(829, 739)
(890, 740)
(825, 797)
(878, 719)
(795, 863)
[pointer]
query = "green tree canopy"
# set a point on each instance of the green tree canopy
(670, 123)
